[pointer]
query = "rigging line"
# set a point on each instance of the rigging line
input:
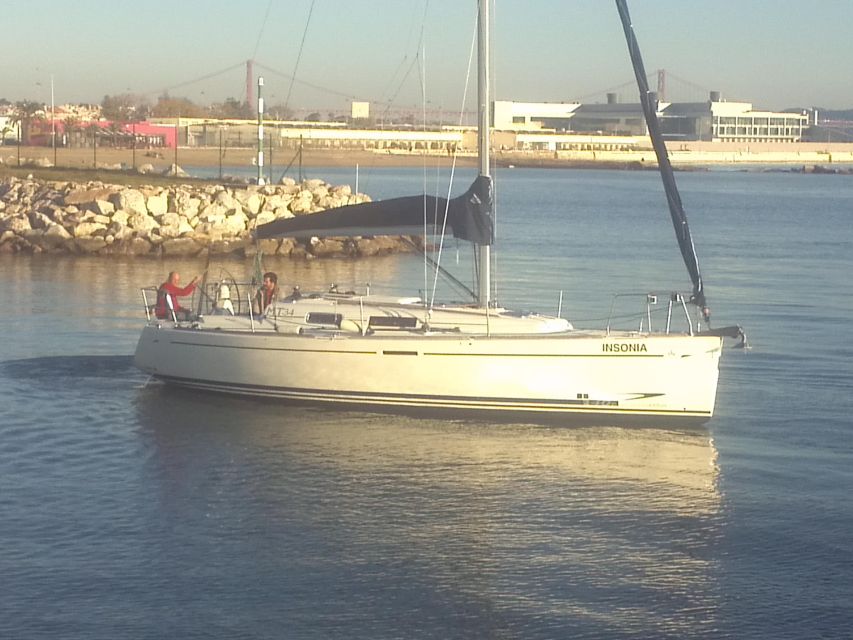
(299, 55)
(405, 77)
(455, 155)
(261, 33)
(304, 82)
(493, 79)
(393, 78)
(402, 82)
(422, 73)
(402, 63)
(189, 82)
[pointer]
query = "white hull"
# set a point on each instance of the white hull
(572, 372)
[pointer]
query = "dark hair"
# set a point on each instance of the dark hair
(271, 276)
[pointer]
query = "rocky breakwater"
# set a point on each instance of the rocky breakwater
(101, 219)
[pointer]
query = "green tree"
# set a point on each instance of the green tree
(280, 111)
(71, 125)
(167, 107)
(232, 109)
(126, 107)
(27, 112)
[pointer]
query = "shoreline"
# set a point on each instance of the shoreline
(111, 163)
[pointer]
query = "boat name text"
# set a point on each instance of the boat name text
(624, 347)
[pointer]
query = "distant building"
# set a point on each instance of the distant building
(715, 119)
(532, 116)
(737, 122)
(360, 110)
(100, 132)
(9, 129)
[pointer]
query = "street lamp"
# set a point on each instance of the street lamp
(52, 118)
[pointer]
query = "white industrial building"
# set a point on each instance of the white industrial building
(714, 120)
(532, 116)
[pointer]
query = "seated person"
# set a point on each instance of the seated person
(266, 295)
(167, 298)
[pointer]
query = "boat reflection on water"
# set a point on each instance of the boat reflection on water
(672, 469)
(516, 520)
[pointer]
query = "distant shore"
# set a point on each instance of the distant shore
(209, 157)
(78, 162)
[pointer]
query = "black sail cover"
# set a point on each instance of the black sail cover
(673, 198)
(468, 216)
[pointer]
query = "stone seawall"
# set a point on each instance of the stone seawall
(95, 218)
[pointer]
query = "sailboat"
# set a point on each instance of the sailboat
(404, 353)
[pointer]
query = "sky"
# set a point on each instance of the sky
(773, 53)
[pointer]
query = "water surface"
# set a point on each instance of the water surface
(128, 509)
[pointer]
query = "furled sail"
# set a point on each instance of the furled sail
(468, 216)
(676, 210)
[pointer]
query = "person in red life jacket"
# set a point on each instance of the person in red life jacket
(267, 294)
(171, 291)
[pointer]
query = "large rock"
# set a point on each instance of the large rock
(119, 232)
(56, 235)
(380, 245)
(329, 247)
(277, 201)
(213, 213)
(157, 204)
(264, 217)
(253, 204)
(139, 247)
(184, 204)
(90, 245)
(302, 203)
(39, 220)
(181, 247)
(87, 196)
(175, 170)
(269, 247)
(121, 217)
(17, 224)
(170, 219)
(130, 200)
(102, 207)
(141, 222)
(88, 229)
(286, 246)
(168, 231)
(227, 200)
(220, 247)
(235, 222)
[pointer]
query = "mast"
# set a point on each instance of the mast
(483, 129)
(648, 101)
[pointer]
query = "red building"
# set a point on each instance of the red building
(108, 134)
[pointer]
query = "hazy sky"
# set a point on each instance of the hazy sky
(774, 53)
